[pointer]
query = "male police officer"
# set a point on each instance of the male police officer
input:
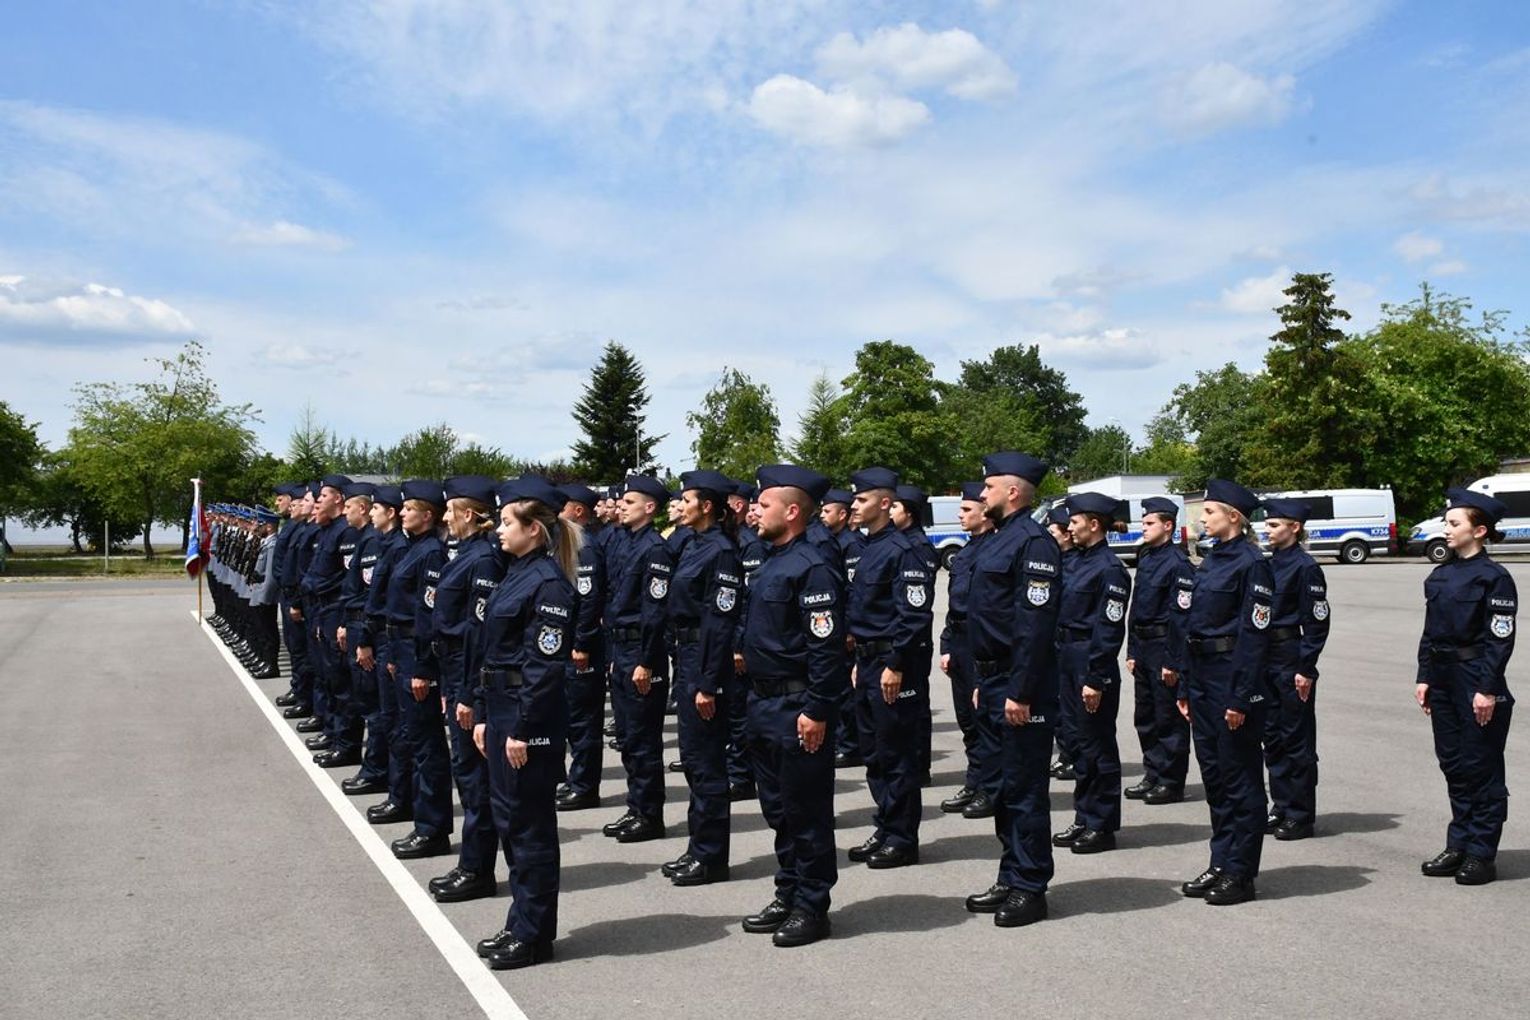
(835, 514)
(1165, 578)
(981, 783)
(324, 614)
(586, 686)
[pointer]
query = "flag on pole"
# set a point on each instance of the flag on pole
(197, 552)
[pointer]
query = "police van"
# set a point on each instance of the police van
(1428, 537)
(1351, 524)
(944, 528)
(1126, 544)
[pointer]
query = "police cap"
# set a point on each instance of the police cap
(774, 476)
(874, 478)
(1288, 509)
(265, 516)
(366, 489)
(1011, 462)
(1494, 509)
(293, 489)
(532, 487)
(1220, 490)
(389, 495)
(648, 486)
(312, 488)
(1097, 503)
(581, 494)
(713, 483)
(1160, 505)
(1059, 514)
(912, 497)
(478, 488)
(336, 482)
(424, 490)
(837, 496)
(972, 492)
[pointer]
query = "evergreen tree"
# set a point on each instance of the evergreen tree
(821, 432)
(611, 417)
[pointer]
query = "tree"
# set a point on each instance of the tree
(1219, 412)
(821, 431)
(426, 453)
(737, 427)
(308, 447)
(893, 407)
(1104, 451)
(137, 446)
(473, 459)
(1168, 451)
(1019, 403)
(611, 417)
(20, 451)
(60, 498)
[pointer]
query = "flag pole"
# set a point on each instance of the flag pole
(196, 503)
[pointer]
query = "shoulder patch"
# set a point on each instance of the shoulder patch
(548, 609)
(1038, 593)
(821, 623)
(584, 585)
(549, 639)
(818, 598)
(1320, 610)
(479, 607)
(1260, 589)
(660, 567)
(1260, 617)
(1115, 610)
(1498, 603)
(727, 598)
(658, 587)
(1040, 567)
(1502, 625)
(430, 596)
(917, 596)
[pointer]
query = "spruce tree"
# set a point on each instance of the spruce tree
(611, 416)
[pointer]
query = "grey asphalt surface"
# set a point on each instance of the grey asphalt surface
(162, 854)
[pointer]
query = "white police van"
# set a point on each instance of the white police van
(944, 528)
(1351, 524)
(1126, 544)
(1428, 537)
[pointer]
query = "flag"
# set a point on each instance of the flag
(197, 547)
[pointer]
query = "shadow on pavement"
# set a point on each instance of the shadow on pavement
(648, 935)
(1114, 895)
(1139, 837)
(1312, 880)
(901, 912)
(1345, 822)
(1513, 865)
(600, 874)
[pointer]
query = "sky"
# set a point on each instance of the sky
(404, 212)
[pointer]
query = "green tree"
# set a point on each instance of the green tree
(1012, 400)
(61, 499)
(137, 446)
(821, 431)
(611, 418)
(892, 403)
(474, 459)
(1104, 451)
(737, 427)
(20, 451)
(1168, 451)
(1218, 412)
(308, 447)
(426, 453)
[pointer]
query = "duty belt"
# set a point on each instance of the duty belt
(1456, 653)
(957, 619)
(1211, 646)
(1285, 633)
(398, 630)
(990, 667)
(1150, 630)
(627, 633)
(501, 679)
(686, 635)
(443, 644)
(875, 646)
(776, 688)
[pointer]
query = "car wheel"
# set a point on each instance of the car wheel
(1354, 552)
(1436, 551)
(947, 556)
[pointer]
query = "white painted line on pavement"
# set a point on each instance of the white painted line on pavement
(480, 982)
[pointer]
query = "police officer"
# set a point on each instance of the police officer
(358, 700)
(640, 579)
(793, 651)
(1057, 519)
(264, 638)
(522, 709)
(287, 494)
(461, 598)
(411, 603)
(889, 616)
(1298, 631)
(835, 514)
(1012, 620)
(910, 510)
(290, 564)
(981, 781)
(1091, 624)
(340, 744)
(616, 536)
(1222, 690)
(1468, 638)
(703, 607)
(752, 550)
(587, 680)
(1165, 578)
(374, 653)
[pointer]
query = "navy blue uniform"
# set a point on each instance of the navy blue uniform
(926, 550)
(1222, 660)
(1067, 711)
(322, 612)
(703, 606)
(1012, 621)
(793, 644)
(1468, 639)
(889, 613)
(752, 551)
(524, 645)
(848, 741)
(1091, 624)
(373, 633)
(1298, 632)
(358, 710)
(1164, 577)
(982, 774)
(411, 600)
(586, 686)
(635, 609)
(288, 541)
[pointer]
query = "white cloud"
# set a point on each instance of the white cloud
(1221, 95)
(909, 58)
(1118, 348)
(1493, 203)
(1415, 247)
(805, 113)
(300, 356)
(282, 234)
(1449, 267)
(1258, 295)
(92, 310)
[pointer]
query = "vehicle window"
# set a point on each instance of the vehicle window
(1517, 502)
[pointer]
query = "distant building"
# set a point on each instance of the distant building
(1127, 485)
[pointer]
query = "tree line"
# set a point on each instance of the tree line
(1429, 397)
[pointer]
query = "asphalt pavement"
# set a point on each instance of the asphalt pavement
(163, 854)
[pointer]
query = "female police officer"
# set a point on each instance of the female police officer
(522, 709)
(1221, 659)
(1468, 638)
(1067, 724)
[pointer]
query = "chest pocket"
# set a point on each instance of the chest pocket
(1079, 597)
(1217, 603)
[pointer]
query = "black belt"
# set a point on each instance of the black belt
(1150, 630)
(627, 633)
(956, 618)
(875, 646)
(1072, 633)
(445, 643)
(1285, 633)
(1456, 653)
(776, 688)
(990, 667)
(501, 679)
(398, 630)
(1211, 646)
(686, 635)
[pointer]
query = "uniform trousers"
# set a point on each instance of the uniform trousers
(890, 736)
(643, 737)
(1232, 766)
(1162, 733)
(525, 820)
(797, 800)
(1290, 740)
(704, 755)
(1022, 811)
(1471, 757)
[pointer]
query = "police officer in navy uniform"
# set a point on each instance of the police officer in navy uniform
(340, 744)
(1165, 578)
(288, 499)
(751, 551)
(1223, 690)
(587, 677)
(290, 566)
(1057, 518)
(981, 781)
(910, 510)
(835, 515)
(640, 670)
(889, 615)
(1471, 604)
(411, 611)
(614, 550)
(793, 641)
(1298, 631)
(1091, 624)
(359, 553)
(1012, 621)
(374, 653)
(703, 605)
(522, 709)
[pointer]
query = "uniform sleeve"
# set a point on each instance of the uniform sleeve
(591, 587)
(1181, 597)
(1037, 574)
(719, 621)
(658, 573)
(1251, 651)
(1498, 643)
(1109, 628)
(1314, 619)
(549, 639)
(913, 610)
(426, 667)
(821, 601)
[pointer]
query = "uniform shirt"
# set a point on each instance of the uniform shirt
(890, 598)
(326, 569)
(1301, 603)
(825, 541)
(1012, 616)
(374, 613)
(922, 544)
(452, 603)
(632, 579)
(751, 550)
(1231, 600)
(794, 628)
(1093, 612)
(295, 559)
(704, 595)
(851, 543)
(590, 586)
(264, 594)
(1470, 607)
(361, 564)
(1164, 576)
(528, 626)
(484, 575)
(411, 596)
(958, 590)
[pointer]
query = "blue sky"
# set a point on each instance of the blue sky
(406, 212)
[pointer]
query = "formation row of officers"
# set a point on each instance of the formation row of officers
(466, 633)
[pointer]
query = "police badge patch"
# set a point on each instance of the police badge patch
(1182, 599)
(549, 640)
(345, 561)
(1115, 609)
(658, 587)
(430, 596)
(821, 624)
(1502, 626)
(727, 598)
(479, 607)
(1038, 593)
(1320, 610)
(584, 584)
(917, 596)
(366, 575)
(1260, 616)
